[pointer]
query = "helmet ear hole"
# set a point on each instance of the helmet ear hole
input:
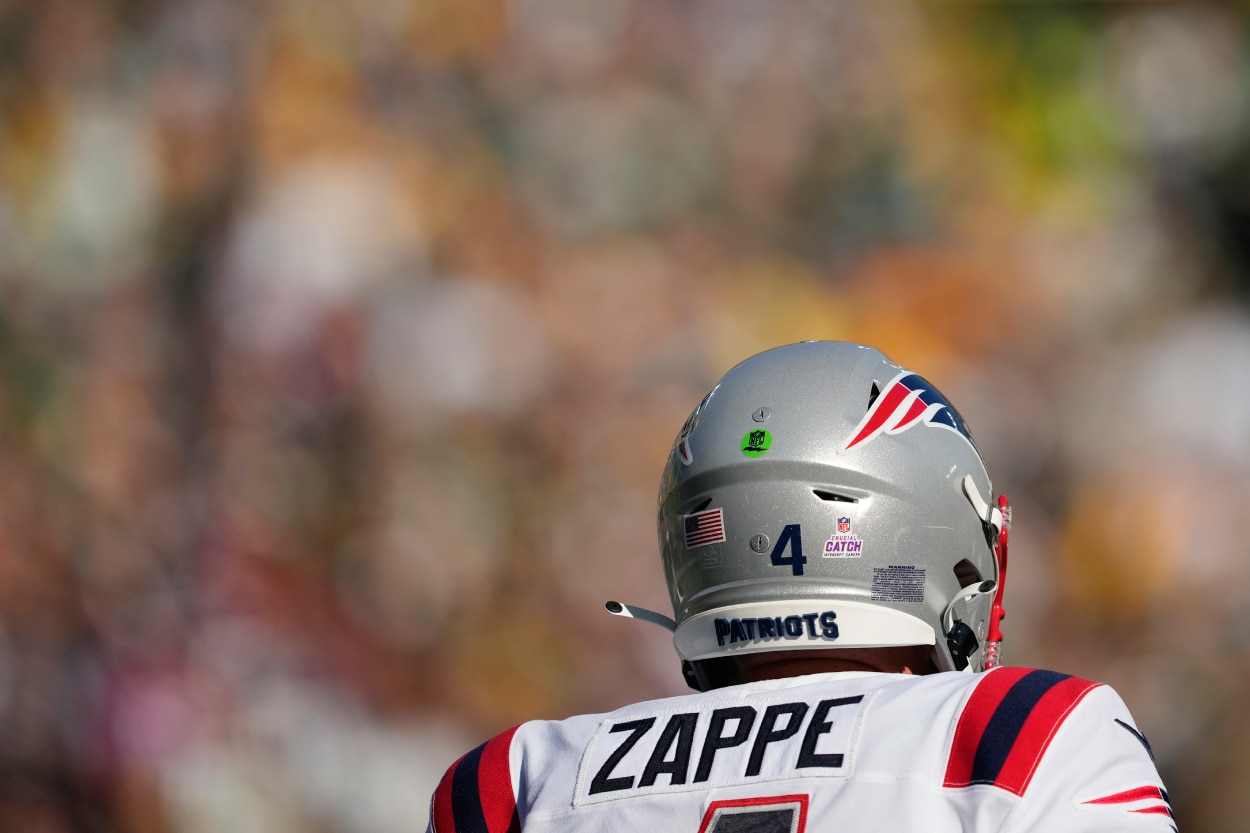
(967, 574)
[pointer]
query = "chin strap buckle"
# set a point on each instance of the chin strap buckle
(962, 643)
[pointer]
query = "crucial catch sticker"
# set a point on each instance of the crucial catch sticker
(844, 543)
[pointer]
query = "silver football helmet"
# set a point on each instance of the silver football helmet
(823, 496)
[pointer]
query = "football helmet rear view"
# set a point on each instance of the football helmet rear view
(822, 496)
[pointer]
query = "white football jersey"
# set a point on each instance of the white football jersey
(1013, 749)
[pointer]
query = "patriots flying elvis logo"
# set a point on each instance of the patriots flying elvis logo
(907, 401)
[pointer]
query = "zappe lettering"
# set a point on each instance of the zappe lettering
(678, 754)
(777, 627)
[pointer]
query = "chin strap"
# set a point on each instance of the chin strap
(997, 518)
(960, 639)
(695, 675)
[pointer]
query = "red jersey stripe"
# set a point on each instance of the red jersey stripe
(1136, 794)
(1156, 810)
(475, 795)
(1139, 794)
(986, 697)
(442, 816)
(1038, 731)
(494, 778)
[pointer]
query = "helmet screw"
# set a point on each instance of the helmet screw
(762, 414)
(759, 543)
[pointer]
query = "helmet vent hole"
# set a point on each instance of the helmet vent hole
(966, 573)
(700, 506)
(834, 497)
(873, 394)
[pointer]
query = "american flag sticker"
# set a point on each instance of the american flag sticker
(703, 528)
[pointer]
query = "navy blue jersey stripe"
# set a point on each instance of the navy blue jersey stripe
(466, 799)
(1004, 727)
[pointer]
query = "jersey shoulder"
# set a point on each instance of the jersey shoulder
(476, 792)
(1007, 723)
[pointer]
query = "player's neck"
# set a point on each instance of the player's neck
(782, 664)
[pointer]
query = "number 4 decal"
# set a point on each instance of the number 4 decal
(792, 538)
(768, 814)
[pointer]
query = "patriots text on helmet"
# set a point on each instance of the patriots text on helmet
(812, 625)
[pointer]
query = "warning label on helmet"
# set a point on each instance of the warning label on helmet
(898, 584)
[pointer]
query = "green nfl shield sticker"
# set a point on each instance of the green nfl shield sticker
(755, 443)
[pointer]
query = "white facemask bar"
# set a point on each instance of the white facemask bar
(992, 515)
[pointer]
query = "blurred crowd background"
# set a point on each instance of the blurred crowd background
(342, 345)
